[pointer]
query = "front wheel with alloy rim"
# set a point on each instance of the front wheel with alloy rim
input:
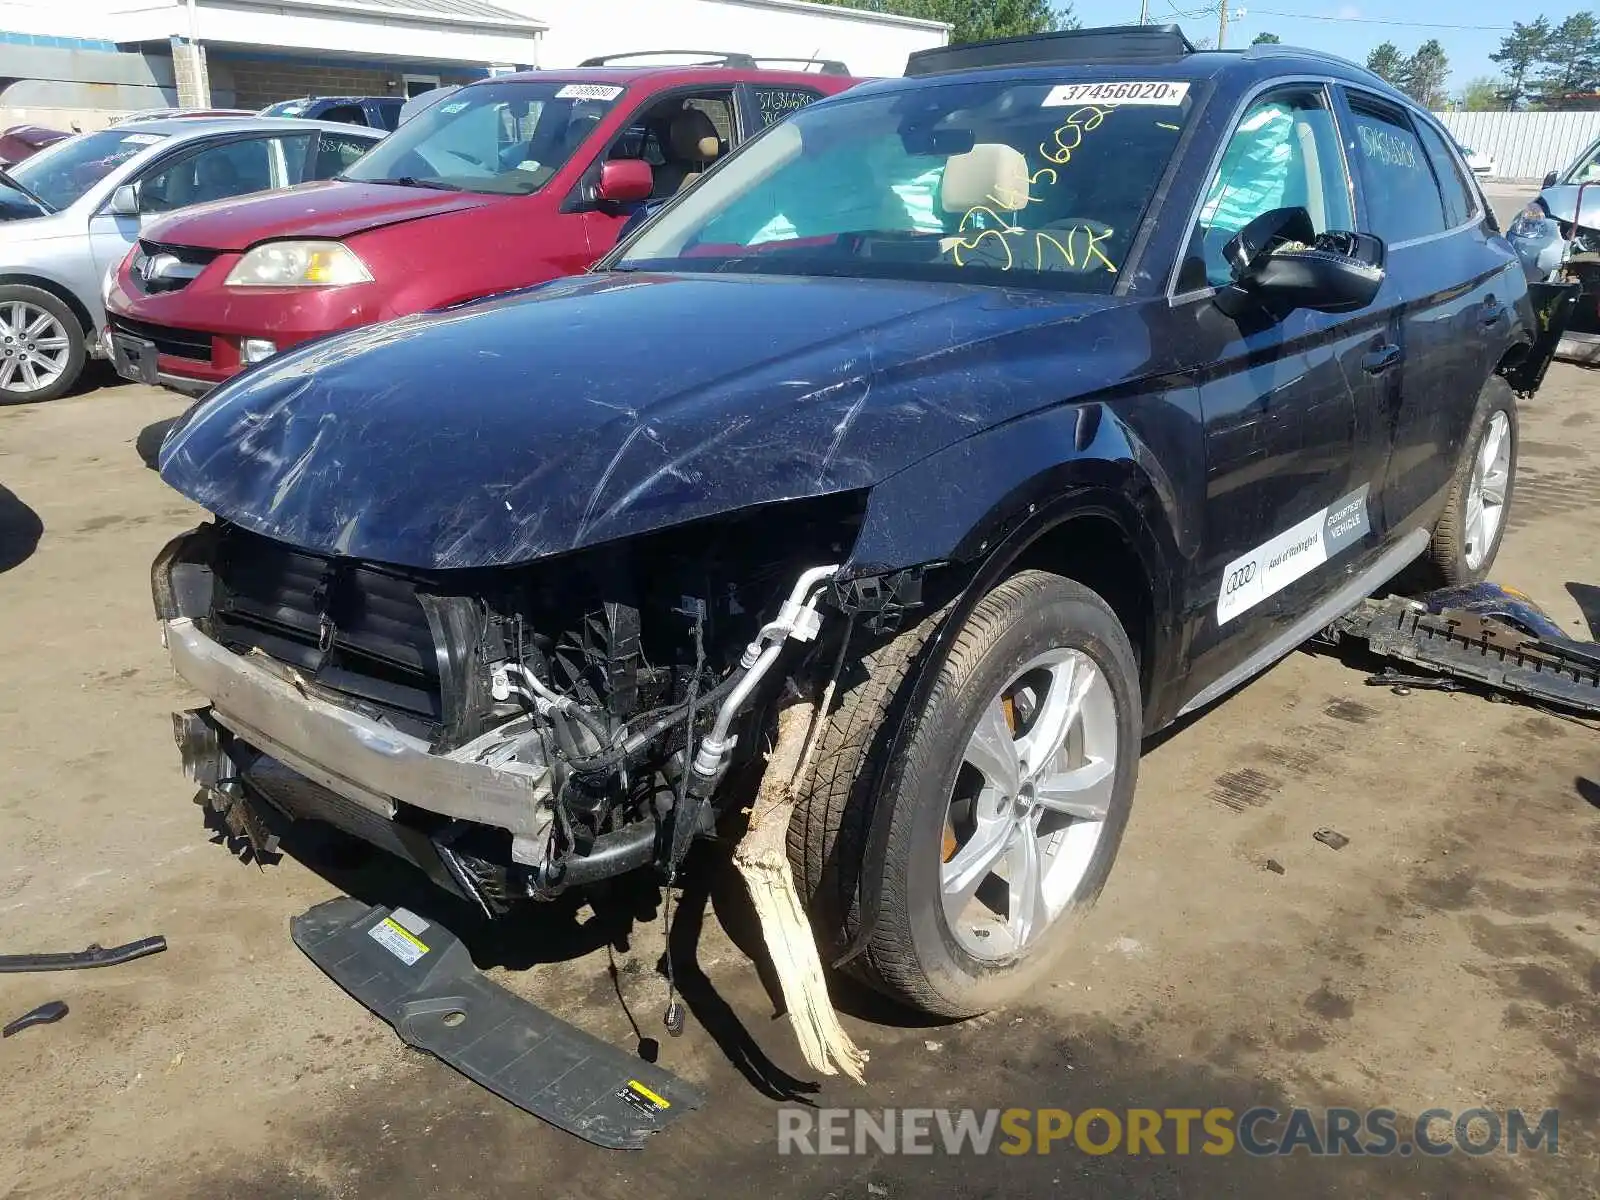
(41, 345)
(1008, 783)
(1468, 535)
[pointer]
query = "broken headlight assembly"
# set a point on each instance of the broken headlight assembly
(514, 731)
(1533, 223)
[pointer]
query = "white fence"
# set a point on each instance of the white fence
(1524, 145)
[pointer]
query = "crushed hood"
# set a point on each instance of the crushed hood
(332, 208)
(608, 405)
(1562, 204)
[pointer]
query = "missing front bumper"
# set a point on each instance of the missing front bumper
(368, 764)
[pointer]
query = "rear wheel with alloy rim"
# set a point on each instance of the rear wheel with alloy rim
(1469, 532)
(41, 345)
(1008, 781)
(1487, 492)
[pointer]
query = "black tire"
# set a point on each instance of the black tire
(38, 298)
(875, 749)
(1447, 561)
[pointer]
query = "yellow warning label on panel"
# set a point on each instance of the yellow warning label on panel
(398, 940)
(658, 1101)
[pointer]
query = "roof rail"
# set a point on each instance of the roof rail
(825, 66)
(1107, 44)
(708, 58)
(1274, 50)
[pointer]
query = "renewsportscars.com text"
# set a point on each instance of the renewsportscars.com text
(1258, 1132)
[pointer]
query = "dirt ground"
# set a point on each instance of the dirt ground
(1448, 956)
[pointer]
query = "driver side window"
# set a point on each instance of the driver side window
(1284, 152)
(216, 172)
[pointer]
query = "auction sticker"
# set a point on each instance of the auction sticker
(1165, 95)
(588, 91)
(141, 139)
(397, 933)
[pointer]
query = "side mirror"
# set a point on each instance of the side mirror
(625, 181)
(1550, 180)
(124, 201)
(1280, 265)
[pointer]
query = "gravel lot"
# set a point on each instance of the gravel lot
(1448, 956)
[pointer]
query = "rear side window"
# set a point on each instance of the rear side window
(1458, 204)
(349, 114)
(389, 113)
(1403, 200)
(335, 152)
(773, 104)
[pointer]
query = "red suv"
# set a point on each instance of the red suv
(505, 183)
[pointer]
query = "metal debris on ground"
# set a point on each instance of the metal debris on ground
(1402, 684)
(47, 1013)
(1492, 636)
(1331, 838)
(79, 960)
(1274, 866)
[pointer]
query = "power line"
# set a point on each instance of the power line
(1267, 12)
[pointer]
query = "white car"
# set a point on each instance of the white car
(1482, 165)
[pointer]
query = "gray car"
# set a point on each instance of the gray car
(72, 211)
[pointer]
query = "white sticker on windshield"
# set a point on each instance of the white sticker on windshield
(453, 107)
(588, 91)
(140, 139)
(1165, 95)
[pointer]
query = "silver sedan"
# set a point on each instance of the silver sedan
(71, 212)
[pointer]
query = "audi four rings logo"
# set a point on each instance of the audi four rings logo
(1237, 579)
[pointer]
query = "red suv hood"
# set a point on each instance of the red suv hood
(330, 209)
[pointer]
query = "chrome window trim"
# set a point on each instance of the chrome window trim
(1325, 83)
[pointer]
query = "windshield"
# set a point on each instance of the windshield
(507, 138)
(1042, 184)
(285, 108)
(62, 173)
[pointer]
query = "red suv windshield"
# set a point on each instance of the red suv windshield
(507, 138)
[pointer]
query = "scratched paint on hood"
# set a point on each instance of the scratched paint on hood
(609, 405)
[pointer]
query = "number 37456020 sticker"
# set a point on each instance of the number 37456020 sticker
(1166, 94)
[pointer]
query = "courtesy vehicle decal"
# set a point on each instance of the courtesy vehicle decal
(1167, 95)
(1297, 551)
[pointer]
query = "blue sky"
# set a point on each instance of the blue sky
(1469, 30)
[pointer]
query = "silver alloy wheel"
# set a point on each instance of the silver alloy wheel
(1029, 804)
(1486, 491)
(34, 347)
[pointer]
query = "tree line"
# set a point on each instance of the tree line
(1545, 65)
(1550, 66)
(1422, 74)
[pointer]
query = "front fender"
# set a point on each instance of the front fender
(958, 503)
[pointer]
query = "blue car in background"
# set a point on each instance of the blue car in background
(376, 112)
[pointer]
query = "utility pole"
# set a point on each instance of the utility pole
(1222, 24)
(1144, 12)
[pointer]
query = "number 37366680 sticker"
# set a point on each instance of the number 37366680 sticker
(1166, 94)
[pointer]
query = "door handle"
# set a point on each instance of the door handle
(1380, 359)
